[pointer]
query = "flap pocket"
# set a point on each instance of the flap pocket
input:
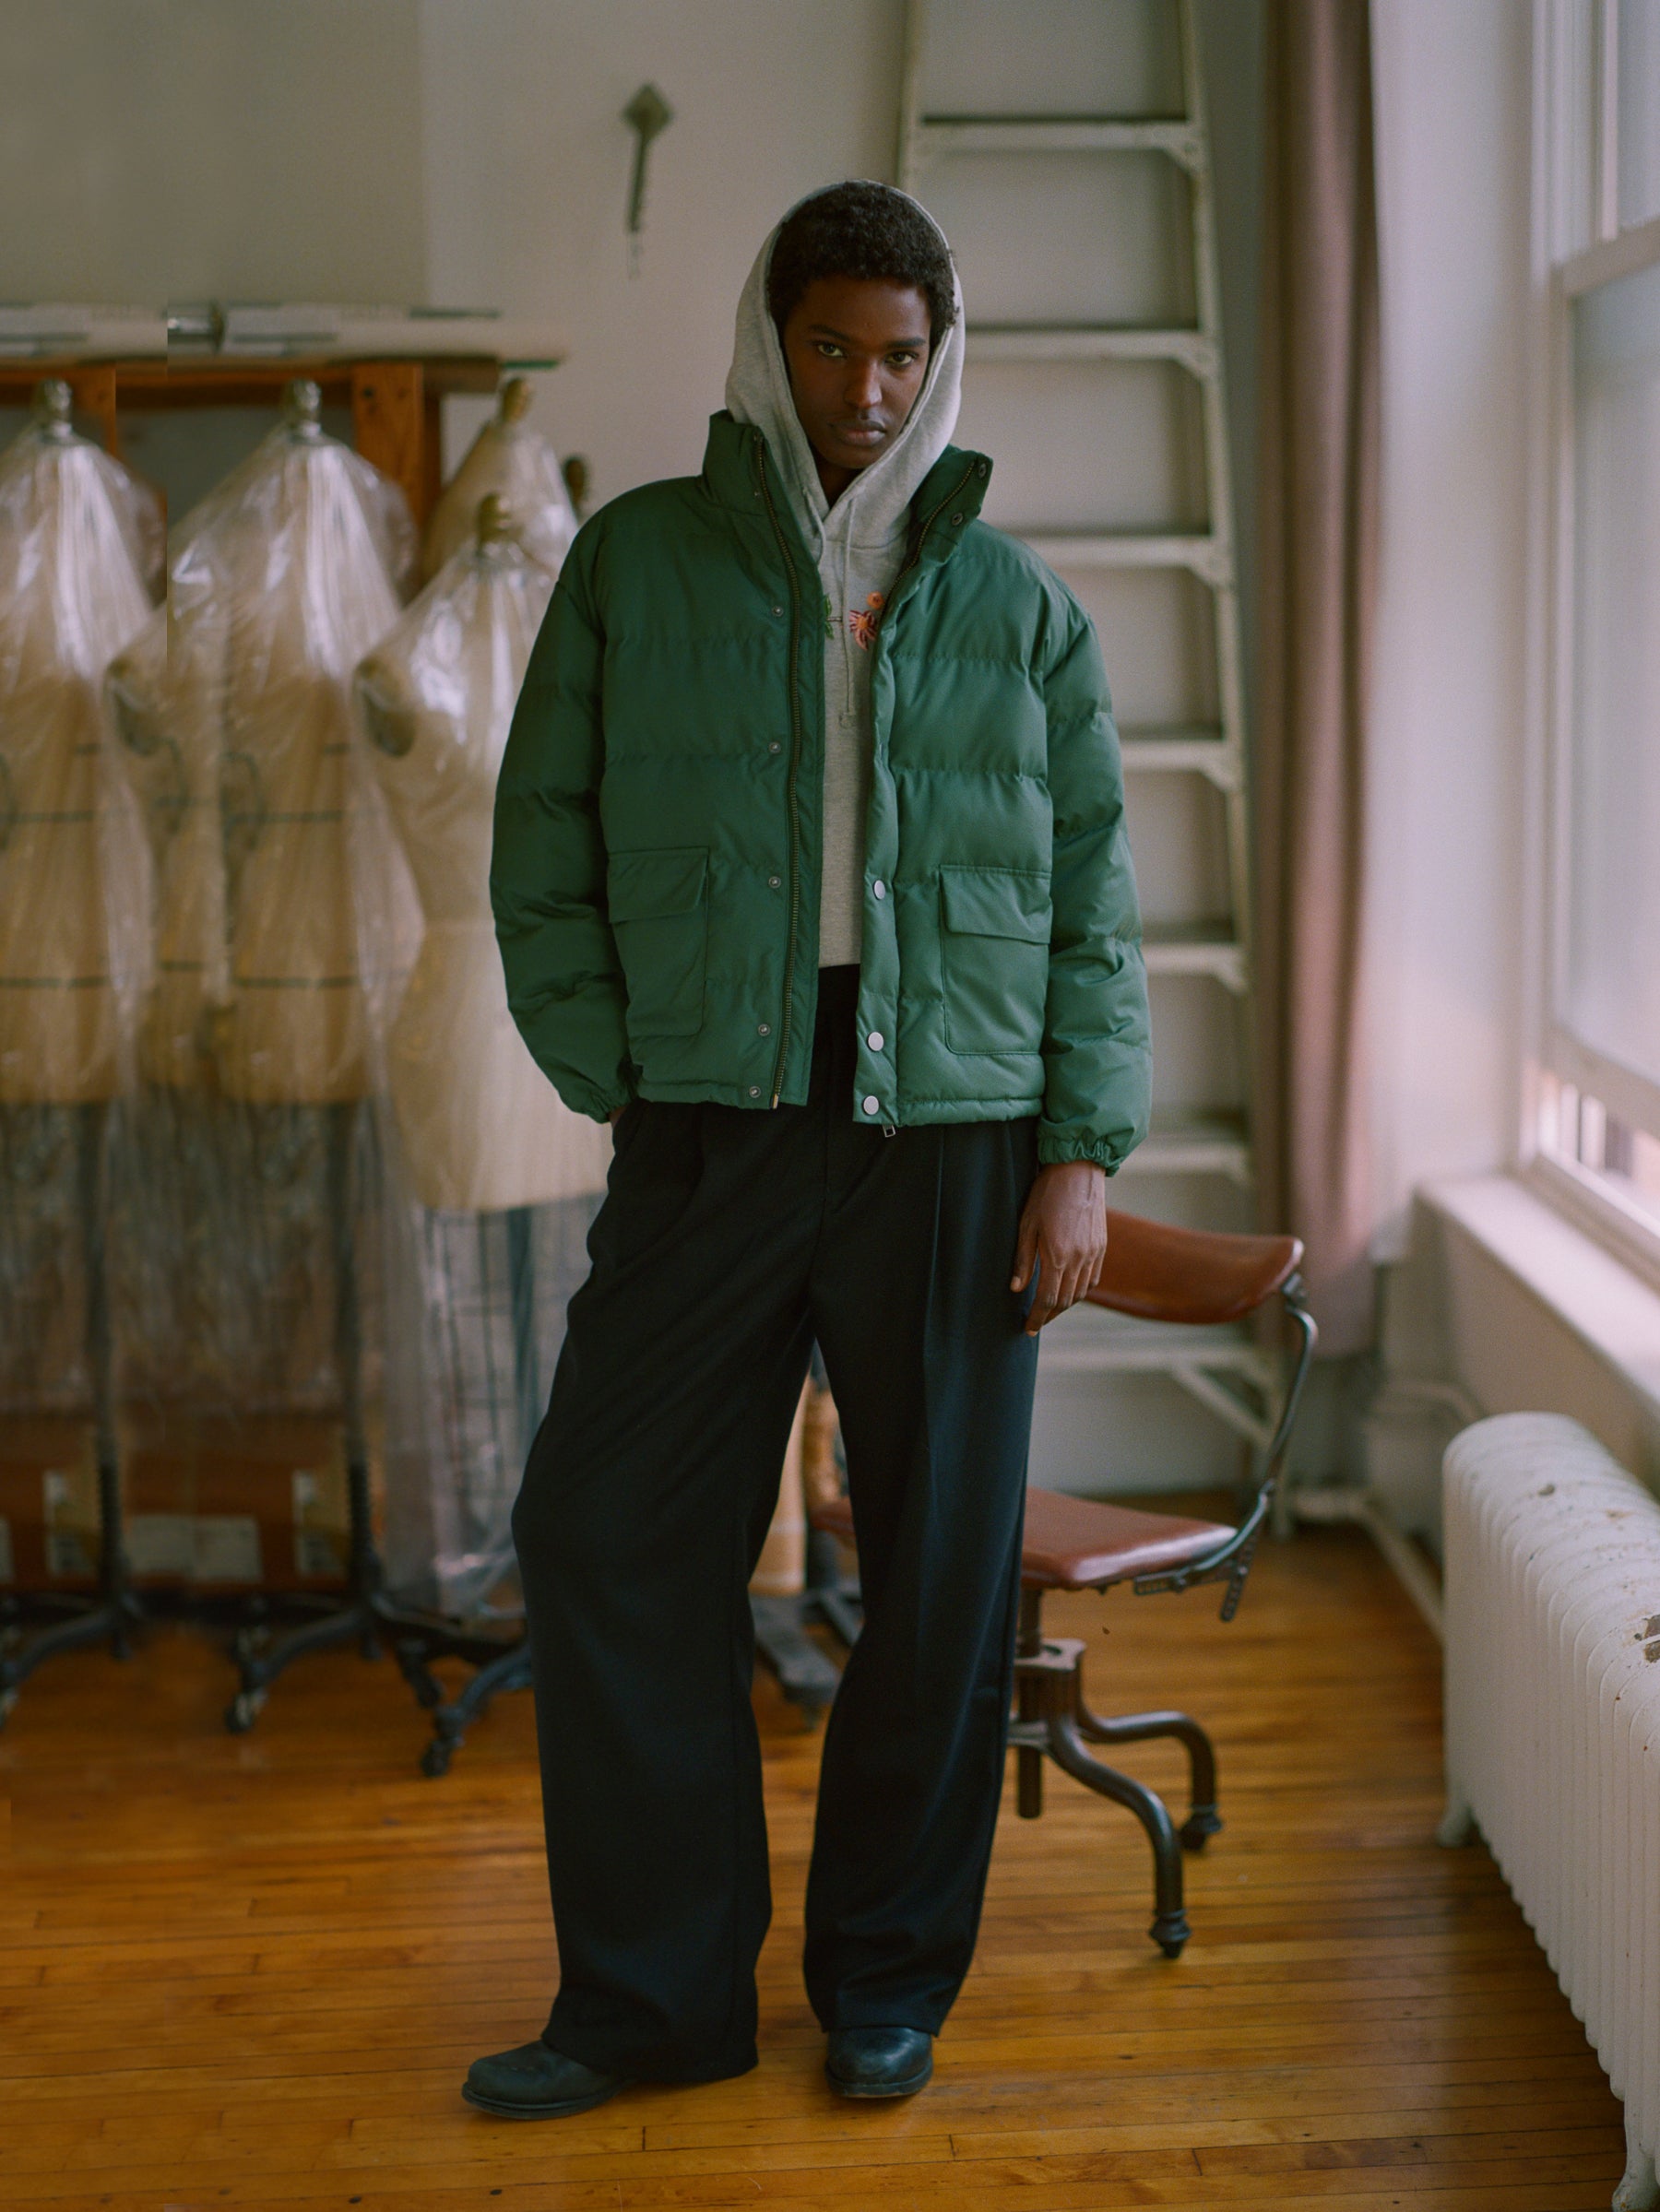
(997, 902)
(641, 886)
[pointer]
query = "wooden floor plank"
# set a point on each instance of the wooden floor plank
(249, 1972)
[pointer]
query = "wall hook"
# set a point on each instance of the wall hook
(646, 114)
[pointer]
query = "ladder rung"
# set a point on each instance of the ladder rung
(1174, 135)
(1090, 342)
(1184, 1142)
(1196, 948)
(1206, 556)
(1202, 751)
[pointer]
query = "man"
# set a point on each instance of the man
(809, 874)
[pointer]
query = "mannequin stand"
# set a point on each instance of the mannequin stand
(71, 1622)
(362, 1613)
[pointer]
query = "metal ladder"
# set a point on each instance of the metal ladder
(1230, 1374)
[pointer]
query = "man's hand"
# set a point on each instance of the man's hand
(1064, 1236)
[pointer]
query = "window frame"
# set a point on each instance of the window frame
(1578, 246)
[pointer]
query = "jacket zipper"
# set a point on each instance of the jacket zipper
(795, 762)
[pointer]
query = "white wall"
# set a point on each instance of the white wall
(1452, 104)
(188, 150)
(527, 168)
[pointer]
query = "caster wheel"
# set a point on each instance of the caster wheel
(1201, 1824)
(243, 1710)
(435, 1759)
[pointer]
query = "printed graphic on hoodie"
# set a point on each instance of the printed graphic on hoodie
(864, 621)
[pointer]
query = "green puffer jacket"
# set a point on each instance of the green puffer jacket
(655, 868)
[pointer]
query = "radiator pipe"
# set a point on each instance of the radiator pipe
(1355, 1508)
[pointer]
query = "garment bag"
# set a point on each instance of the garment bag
(501, 1178)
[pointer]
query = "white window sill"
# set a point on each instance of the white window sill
(1610, 1309)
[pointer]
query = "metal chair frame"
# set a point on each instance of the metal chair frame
(1054, 1722)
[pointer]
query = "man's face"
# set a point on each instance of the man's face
(857, 351)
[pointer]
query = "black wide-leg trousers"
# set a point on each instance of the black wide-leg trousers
(728, 1242)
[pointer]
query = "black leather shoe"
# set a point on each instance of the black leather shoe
(879, 2062)
(534, 2083)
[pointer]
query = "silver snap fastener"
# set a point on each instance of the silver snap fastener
(772, 883)
(984, 468)
(754, 1090)
(872, 1105)
(954, 520)
(874, 1040)
(879, 889)
(778, 611)
(763, 1029)
(776, 746)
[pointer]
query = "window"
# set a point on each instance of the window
(1596, 1115)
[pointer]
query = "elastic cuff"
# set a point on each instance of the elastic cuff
(1056, 1151)
(595, 1106)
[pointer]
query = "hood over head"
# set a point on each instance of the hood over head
(875, 503)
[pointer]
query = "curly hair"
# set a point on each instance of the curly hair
(866, 230)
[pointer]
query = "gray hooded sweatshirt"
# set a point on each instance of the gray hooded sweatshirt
(859, 545)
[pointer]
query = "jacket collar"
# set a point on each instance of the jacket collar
(954, 486)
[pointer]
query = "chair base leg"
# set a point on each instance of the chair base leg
(1066, 1748)
(1054, 1722)
(1203, 1820)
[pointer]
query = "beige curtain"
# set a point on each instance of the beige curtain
(1319, 508)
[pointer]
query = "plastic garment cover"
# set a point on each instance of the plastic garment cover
(479, 1125)
(74, 873)
(475, 1318)
(247, 1177)
(503, 1178)
(162, 710)
(74, 892)
(278, 584)
(518, 465)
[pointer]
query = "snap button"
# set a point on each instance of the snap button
(778, 611)
(984, 468)
(776, 746)
(955, 520)
(879, 889)
(874, 1040)
(763, 1029)
(754, 1090)
(872, 1105)
(772, 883)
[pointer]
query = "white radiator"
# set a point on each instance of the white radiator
(1553, 1726)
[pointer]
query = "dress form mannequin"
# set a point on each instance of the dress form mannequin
(74, 889)
(510, 458)
(481, 1127)
(506, 1175)
(74, 886)
(282, 579)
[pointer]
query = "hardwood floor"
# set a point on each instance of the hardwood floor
(250, 1971)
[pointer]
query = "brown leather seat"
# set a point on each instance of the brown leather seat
(1163, 1274)
(1076, 1544)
